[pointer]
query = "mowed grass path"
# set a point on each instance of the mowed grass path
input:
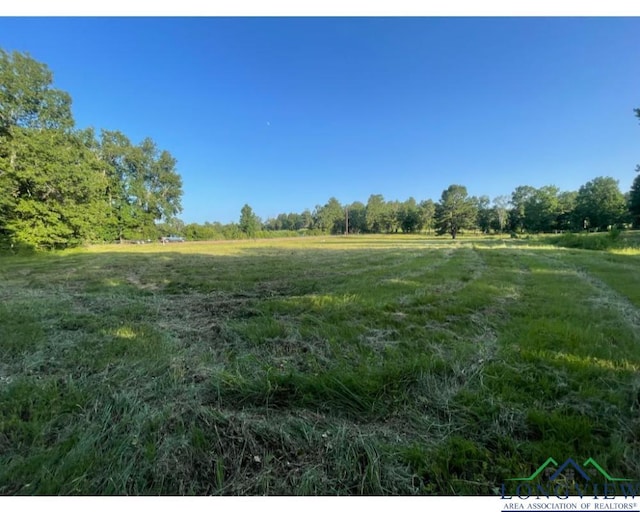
(359, 365)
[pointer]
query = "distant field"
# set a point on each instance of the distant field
(358, 365)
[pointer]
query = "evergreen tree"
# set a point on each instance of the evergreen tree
(455, 211)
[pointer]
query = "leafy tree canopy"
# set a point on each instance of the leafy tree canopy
(600, 204)
(63, 186)
(27, 98)
(249, 221)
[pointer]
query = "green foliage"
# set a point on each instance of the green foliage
(500, 213)
(290, 221)
(206, 231)
(634, 193)
(29, 105)
(612, 239)
(518, 214)
(377, 216)
(27, 99)
(542, 210)
(375, 213)
(55, 190)
(600, 204)
(391, 217)
(249, 221)
(63, 187)
(455, 211)
(218, 231)
(566, 219)
(634, 199)
(409, 216)
(69, 187)
(357, 212)
(427, 214)
(485, 214)
(143, 188)
(596, 242)
(331, 217)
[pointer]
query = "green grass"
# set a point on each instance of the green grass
(359, 365)
(614, 239)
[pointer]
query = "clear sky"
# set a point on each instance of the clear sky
(283, 113)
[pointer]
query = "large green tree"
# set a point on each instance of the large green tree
(600, 204)
(500, 212)
(566, 208)
(357, 212)
(541, 209)
(634, 193)
(331, 217)
(51, 179)
(249, 221)
(634, 199)
(375, 215)
(455, 211)
(485, 213)
(62, 186)
(409, 216)
(519, 198)
(53, 190)
(143, 185)
(427, 209)
(27, 96)
(391, 216)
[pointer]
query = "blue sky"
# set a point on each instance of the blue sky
(283, 113)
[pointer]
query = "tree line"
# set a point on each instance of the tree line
(61, 186)
(598, 205)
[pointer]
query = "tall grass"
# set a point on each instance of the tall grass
(337, 365)
(614, 239)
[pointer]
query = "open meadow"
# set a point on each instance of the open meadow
(320, 366)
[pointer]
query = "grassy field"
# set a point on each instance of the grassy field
(359, 365)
